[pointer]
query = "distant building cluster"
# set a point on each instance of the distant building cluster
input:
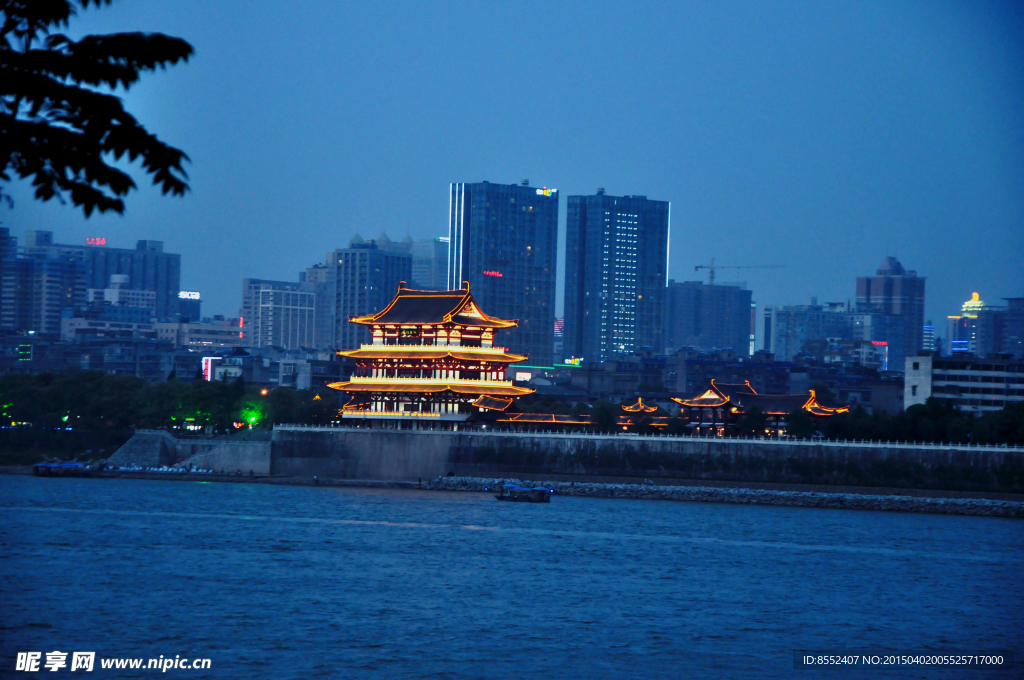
(627, 329)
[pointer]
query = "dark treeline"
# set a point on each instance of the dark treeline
(97, 401)
(936, 420)
(104, 408)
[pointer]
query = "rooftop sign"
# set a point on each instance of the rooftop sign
(189, 295)
(96, 241)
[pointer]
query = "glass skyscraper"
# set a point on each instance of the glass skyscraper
(616, 266)
(503, 239)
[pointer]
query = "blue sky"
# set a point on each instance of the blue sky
(817, 135)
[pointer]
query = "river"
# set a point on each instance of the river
(302, 582)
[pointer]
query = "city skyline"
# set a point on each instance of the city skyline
(863, 143)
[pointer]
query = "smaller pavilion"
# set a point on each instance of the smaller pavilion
(635, 417)
(717, 412)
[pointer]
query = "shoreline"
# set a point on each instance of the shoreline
(701, 491)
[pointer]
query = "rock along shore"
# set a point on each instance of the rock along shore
(705, 494)
(653, 492)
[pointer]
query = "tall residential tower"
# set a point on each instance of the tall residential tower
(616, 265)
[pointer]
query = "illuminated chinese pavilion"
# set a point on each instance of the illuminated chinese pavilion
(432, 357)
(718, 410)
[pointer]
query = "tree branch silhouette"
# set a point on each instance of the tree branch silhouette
(58, 128)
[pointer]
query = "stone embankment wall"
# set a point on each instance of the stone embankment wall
(350, 453)
(153, 448)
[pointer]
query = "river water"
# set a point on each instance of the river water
(305, 582)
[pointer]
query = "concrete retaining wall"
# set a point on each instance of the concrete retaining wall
(361, 454)
(410, 454)
(234, 456)
(153, 448)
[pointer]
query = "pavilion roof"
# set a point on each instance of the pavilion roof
(398, 385)
(493, 403)
(432, 352)
(427, 307)
(639, 407)
(744, 397)
(713, 397)
(813, 407)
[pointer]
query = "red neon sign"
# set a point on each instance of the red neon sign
(490, 272)
(883, 343)
(96, 241)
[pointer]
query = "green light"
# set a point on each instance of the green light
(65, 419)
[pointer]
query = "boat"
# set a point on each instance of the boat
(62, 470)
(522, 494)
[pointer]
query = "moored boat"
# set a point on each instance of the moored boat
(62, 470)
(522, 494)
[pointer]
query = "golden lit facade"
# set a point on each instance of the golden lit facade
(432, 357)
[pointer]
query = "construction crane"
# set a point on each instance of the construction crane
(712, 267)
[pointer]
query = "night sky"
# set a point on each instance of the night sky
(821, 136)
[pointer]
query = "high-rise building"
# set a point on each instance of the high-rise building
(707, 318)
(1013, 328)
(616, 265)
(503, 240)
(788, 327)
(982, 329)
(8, 278)
(148, 267)
(813, 329)
(430, 264)
(190, 306)
(117, 293)
(895, 291)
(277, 314)
(962, 329)
(38, 287)
(752, 343)
(928, 337)
(364, 278)
(319, 280)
